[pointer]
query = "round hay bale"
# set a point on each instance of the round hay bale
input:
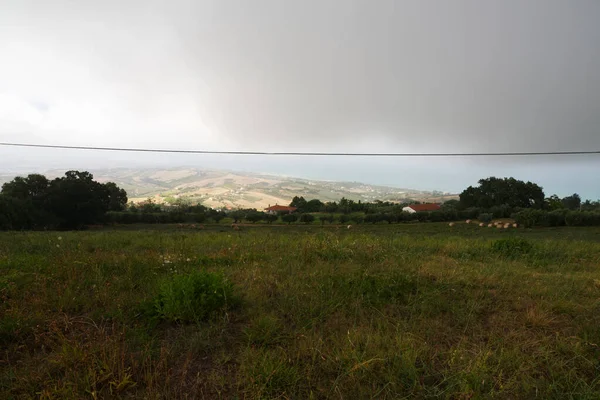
(349, 227)
(468, 221)
(481, 224)
(515, 225)
(451, 224)
(490, 225)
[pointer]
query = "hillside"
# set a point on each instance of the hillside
(243, 190)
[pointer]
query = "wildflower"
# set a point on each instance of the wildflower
(188, 260)
(60, 238)
(58, 245)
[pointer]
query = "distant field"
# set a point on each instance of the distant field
(377, 311)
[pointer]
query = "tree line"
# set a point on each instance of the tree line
(69, 202)
(76, 200)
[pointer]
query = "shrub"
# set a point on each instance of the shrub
(511, 247)
(326, 218)
(270, 218)
(307, 218)
(194, 297)
(486, 217)
(289, 218)
(357, 218)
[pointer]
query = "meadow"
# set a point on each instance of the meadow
(301, 312)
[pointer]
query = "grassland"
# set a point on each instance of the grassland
(385, 312)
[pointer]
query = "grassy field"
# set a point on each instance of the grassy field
(383, 312)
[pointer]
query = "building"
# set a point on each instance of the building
(413, 208)
(276, 209)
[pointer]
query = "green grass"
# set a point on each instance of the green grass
(301, 312)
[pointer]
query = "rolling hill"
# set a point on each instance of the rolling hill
(227, 189)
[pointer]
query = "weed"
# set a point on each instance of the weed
(512, 247)
(194, 297)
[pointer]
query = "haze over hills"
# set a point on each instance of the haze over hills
(228, 189)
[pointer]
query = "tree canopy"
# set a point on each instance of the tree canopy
(68, 202)
(509, 192)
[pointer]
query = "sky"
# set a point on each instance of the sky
(312, 75)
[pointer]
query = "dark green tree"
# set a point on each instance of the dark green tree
(34, 187)
(270, 218)
(307, 218)
(255, 216)
(299, 203)
(77, 200)
(506, 191)
(237, 216)
(289, 218)
(117, 197)
(572, 202)
(553, 203)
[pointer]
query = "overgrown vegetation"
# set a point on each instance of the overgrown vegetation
(379, 311)
(193, 297)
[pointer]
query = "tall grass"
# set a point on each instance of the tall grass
(392, 312)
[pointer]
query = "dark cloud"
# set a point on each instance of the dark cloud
(341, 75)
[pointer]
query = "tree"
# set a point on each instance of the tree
(506, 191)
(270, 218)
(237, 216)
(572, 202)
(299, 203)
(314, 205)
(77, 200)
(289, 218)
(307, 218)
(554, 203)
(117, 197)
(34, 187)
(255, 216)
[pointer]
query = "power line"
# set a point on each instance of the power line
(296, 153)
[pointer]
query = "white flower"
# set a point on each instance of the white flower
(60, 238)
(58, 245)
(188, 260)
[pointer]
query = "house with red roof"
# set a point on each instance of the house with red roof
(277, 209)
(413, 208)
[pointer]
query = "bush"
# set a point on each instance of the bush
(326, 218)
(270, 218)
(194, 297)
(289, 218)
(511, 247)
(357, 218)
(307, 218)
(486, 217)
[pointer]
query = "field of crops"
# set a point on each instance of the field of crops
(376, 311)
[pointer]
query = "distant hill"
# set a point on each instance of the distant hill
(226, 189)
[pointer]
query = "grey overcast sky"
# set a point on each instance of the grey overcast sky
(311, 75)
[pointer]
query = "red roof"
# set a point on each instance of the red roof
(425, 207)
(280, 208)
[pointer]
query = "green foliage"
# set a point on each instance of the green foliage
(237, 215)
(270, 218)
(117, 197)
(561, 217)
(255, 216)
(289, 218)
(572, 202)
(70, 202)
(503, 192)
(512, 247)
(194, 297)
(307, 218)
